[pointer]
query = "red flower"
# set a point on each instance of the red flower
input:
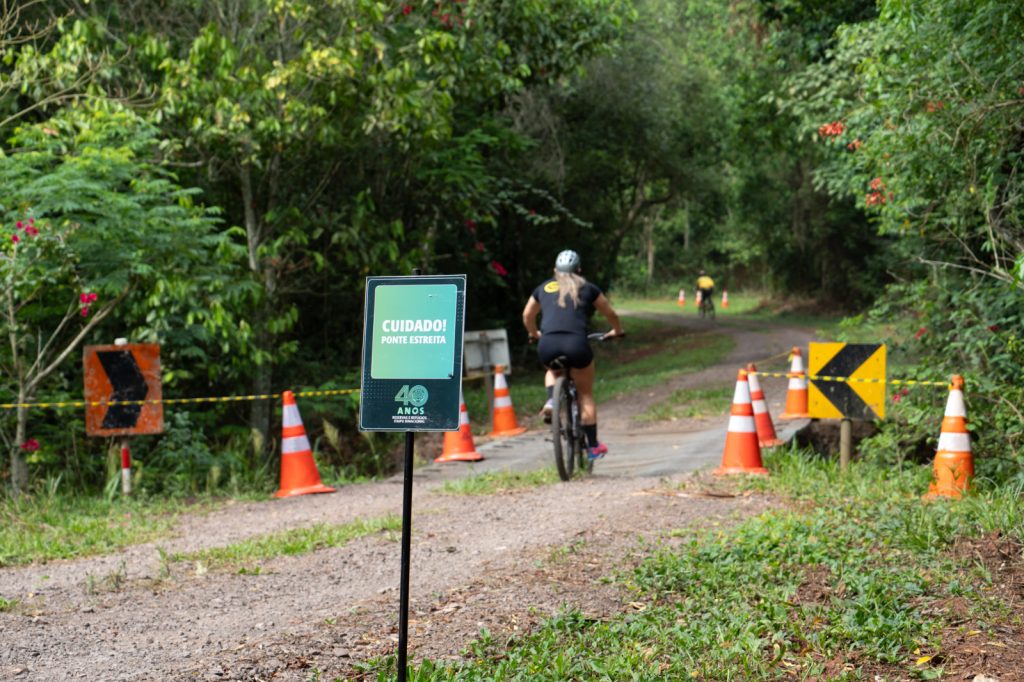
(31, 231)
(833, 129)
(896, 397)
(993, 327)
(855, 145)
(920, 332)
(937, 105)
(877, 183)
(499, 268)
(18, 224)
(15, 238)
(31, 445)
(532, 212)
(479, 246)
(85, 311)
(406, 9)
(471, 225)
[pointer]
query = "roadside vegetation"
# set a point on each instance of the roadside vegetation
(850, 577)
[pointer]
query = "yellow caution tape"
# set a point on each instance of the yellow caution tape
(175, 401)
(814, 377)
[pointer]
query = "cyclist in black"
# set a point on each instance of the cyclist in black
(564, 303)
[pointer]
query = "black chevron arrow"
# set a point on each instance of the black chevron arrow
(128, 383)
(839, 393)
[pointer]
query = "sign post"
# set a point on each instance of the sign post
(847, 382)
(411, 380)
(123, 395)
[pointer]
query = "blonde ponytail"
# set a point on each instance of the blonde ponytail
(569, 285)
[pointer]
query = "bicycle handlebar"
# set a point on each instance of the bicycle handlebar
(593, 336)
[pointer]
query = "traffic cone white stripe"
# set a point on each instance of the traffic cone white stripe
(759, 406)
(955, 406)
(291, 416)
(502, 401)
(954, 442)
(742, 424)
(295, 444)
(742, 394)
(798, 383)
(463, 414)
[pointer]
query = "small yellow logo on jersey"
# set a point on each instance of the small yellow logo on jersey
(551, 287)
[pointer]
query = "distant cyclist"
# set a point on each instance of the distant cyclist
(565, 302)
(706, 286)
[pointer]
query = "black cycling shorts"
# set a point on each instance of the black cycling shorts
(573, 346)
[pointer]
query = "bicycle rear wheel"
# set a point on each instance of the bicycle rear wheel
(562, 429)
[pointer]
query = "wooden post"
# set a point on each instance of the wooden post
(845, 445)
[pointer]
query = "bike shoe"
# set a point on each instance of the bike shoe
(598, 451)
(546, 411)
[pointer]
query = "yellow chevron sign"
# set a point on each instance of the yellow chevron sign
(846, 381)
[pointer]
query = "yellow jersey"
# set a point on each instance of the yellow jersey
(705, 282)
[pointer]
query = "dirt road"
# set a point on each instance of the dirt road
(502, 561)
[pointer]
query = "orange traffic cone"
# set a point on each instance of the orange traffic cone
(725, 298)
(298, 470)
(458, 445)
(954, 465)
(696, 299)
(766, 437)
(796, 396)
(742, 454)
(682, 297)
(503, 418)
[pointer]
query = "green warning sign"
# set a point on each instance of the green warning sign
(412, 353)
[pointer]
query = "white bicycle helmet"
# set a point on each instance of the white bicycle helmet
(567, 261)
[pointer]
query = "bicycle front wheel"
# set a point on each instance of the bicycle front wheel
(562, 429)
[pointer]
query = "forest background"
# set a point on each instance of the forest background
(220, 178)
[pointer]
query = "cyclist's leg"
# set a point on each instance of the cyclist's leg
(584, 379)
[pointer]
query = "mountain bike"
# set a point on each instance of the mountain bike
(707, 307)
(566, 420)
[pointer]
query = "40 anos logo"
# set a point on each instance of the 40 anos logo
(412, 398)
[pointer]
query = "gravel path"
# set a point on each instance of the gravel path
(502, 562)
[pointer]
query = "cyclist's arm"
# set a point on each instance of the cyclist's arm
(602, 304)
(530, 313)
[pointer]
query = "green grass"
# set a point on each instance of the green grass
(289, 543)
(740, 303)
(48, 527)
(692, 403)
(736, 603)
(6, 604)
(500, 481)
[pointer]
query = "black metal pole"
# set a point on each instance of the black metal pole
(403, 590)
(403, 597)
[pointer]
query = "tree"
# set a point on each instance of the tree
(92, 226)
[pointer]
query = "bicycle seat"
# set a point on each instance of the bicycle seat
(561, 362)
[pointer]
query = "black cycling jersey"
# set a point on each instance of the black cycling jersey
(572, 318)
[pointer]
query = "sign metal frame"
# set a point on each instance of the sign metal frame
(411, 375)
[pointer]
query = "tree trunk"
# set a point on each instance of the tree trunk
(19, 470)
(649, 243)
(263, 377)
(686, 226)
